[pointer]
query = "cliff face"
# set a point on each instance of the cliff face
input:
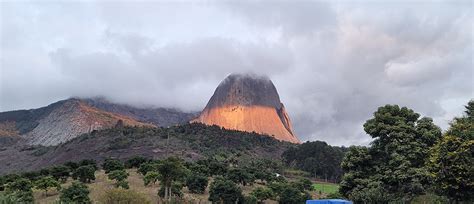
(248, 103)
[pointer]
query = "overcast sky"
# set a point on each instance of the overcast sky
(333, 63)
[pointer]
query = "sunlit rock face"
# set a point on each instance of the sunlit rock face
(248, 103)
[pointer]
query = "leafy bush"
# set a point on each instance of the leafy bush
(135, 162)
(262, 193)
(20, 190)
(111, 165)
(47, 182)
(197, 183)
(151, 177)
(76, 193)
(225, 191)
(115, 196)
(84, 173)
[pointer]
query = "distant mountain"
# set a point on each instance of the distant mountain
(162, 117)
(67, 119)
(188, 141)
(59, 122)
(248, 103)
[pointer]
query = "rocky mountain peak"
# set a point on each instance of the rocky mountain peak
(248, 103)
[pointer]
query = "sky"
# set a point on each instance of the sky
(333, 62)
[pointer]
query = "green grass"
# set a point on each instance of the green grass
(326, 188)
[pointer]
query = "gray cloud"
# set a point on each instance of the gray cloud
(333, 63)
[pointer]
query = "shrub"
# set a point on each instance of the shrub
(135, 162)
(225, 191)
(20, 190)
(111, 165)
(60, 172)
(76, 193)
(262, 193)
(197, 183)
(114, 196)
(151, 177)
(291, 195)
(84, 174)
(89, 162)
(47, 182)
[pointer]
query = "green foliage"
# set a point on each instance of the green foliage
(47, 182)
(76, 193)
(318, 158)
(89, 162)
(250, 199)
(148, 166)
(393, 167)
(111, 165)
(304, 184)
(239, 175)
(122, 184)
(170, 170)
(72, 165)
(116, 196)
(135, 162)
(451, 163)
(291, 195)
(19, 190)
(224, 191)
(197, 183)
(151, 177)
(60, 172)
(262, 193)
(84, 173)
(118, 175)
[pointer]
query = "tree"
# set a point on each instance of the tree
(304, 184)
(84, 173)
(239, 175)
(291, 195)
(174, 190)
(151, 177)
(89, 162)
(171, 169)
(262, 193)
(135, 162)
(76, 193)
(317, 157)
(451, 163)
(197, 183)
(72, 165)
(393, 166)
(20, 190)
(224, 191)
(148, 166)
(60, 172)
(44, 183)
(120, 177)
(111, 165)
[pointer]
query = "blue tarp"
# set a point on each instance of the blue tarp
(328, 201)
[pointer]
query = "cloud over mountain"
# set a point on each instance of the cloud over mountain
(333, 63)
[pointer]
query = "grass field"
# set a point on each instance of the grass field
(326, 188)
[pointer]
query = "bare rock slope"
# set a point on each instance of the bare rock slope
(248, 103)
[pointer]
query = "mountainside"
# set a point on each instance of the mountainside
(189, 141)
(248, 103)
(162, 117)
(59, 122)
